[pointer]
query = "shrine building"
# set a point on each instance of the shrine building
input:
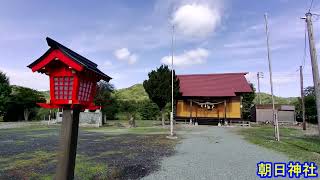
(211, 97)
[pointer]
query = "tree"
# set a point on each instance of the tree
(309, 91)
(105, 99)
(298, 109)
(24, 99)
(5, 90)
(129, 107)
(149, 110)
(247, 103)
(310, 104)
(158, 87)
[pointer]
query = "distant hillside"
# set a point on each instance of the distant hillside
(46, 94)
(266, 99)
(135, 92)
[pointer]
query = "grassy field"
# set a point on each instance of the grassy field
(121, 127)
(110, 152)
(294, 142)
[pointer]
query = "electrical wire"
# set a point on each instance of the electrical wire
(310, 5)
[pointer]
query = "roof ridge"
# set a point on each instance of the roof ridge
(54, 43)
(242, 73)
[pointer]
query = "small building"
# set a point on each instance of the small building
(86, 118)
(211, 97)
(263, 113)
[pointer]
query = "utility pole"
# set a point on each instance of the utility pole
(314, 62)
(275, 117)
(302, 100)
(171, 114)
(259, 75)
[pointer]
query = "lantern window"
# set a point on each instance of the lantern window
(63, 87)
(85, 88)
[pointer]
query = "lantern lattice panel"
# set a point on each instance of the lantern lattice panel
(85, 88)
(63, 87)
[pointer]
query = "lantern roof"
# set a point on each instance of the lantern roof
(86, 63)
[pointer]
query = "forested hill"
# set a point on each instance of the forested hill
(266, 99)
(135, 92)
(46, 94)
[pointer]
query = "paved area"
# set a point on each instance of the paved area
(214, 153)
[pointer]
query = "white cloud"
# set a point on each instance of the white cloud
(124, 54)
(248, 43)
(192, 57)
(251, 77)
(107, 63)
(280, 79)
(25, 77)
(132, 59)
(196, 20)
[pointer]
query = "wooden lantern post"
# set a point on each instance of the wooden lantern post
(73, 80)
(68, 144)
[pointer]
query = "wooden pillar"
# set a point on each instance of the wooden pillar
(241, 109)
(225, 110)
(190, 111)
(196, 114)
(68, 144)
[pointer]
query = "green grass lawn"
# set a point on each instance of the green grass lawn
(121, 127)
(139, 123)
(293, 142)
(25, 163)
(115, 147)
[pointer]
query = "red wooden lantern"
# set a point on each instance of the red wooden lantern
(73, 78)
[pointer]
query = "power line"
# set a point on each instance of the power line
(310, 5)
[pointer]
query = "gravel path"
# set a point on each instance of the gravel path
(214, 153)
(9, 125)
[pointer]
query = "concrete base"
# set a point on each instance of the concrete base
(172, 137)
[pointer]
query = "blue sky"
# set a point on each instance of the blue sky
(127, 39)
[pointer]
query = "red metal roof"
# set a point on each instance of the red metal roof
(214, 85)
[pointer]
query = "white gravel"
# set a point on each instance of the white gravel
(10, 125)
(214, 153)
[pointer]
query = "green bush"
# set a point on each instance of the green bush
(44, 113)
(149, 110)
